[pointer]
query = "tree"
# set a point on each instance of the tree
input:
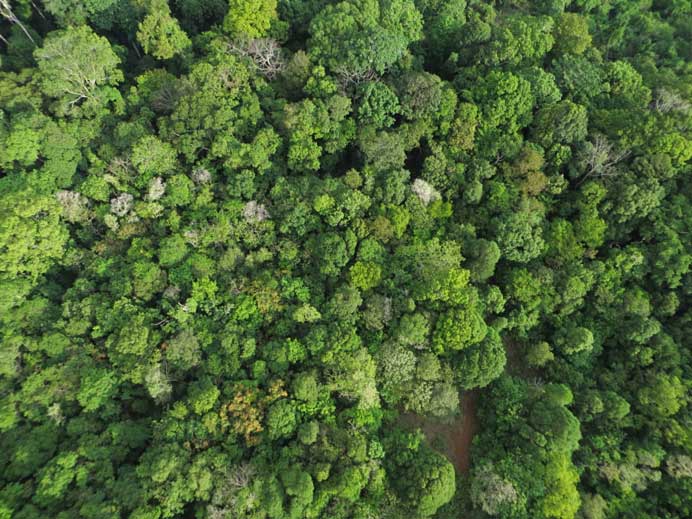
(32, 238)
(183, 350)
(420, 95)
(564, 122)
(480, 364)
(352, 374)
(159, 33)
(445, 28)
(505, 102)
(378, 104)
(413, 330)
(207, 117)
(571, 34)
(361, 35)
(543, 85)
(482, 259)
(593, 506)
(492, 493)
(365, 275)
(317, 127)
(574, 339)
(78, 66)
(519, 38)
(281, 419)
(203, 395)
(425, 480)
(96, 389)
(397, 366)
(433, 272)
(249, 18)
(520, 236)
(305, 387)
(458, 329)
(265, 53)
(562, 498)
(663, 397)
(157, 383)
(76, 12)
(538, 354)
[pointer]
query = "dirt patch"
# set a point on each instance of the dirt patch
(464, 437)
(452, 438)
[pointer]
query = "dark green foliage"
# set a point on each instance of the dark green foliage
(297, 259)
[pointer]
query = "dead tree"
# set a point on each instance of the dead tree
(349, 78)
(667, 101)
(265, 53)
(601, 157)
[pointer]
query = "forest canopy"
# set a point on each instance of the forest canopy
(254, 253)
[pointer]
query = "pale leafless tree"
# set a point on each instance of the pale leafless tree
(157, 188)
(348, 77)
(265, 53)
(667, 101)
(75, 207)
(601, 157)
(424, 191)
(120, 168)
(254, 212)
(240, 476)
(201, 176)
(122, 204)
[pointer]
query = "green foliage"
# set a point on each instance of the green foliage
(378, 104)
(76, 66)
(96, 389)
(572, 34)
(363, 258)
(481, 363)
(458, 329)
(75, 12)
(31, 237)
(249, 18)
(159, 33)
(426, 480)
(365, 275)
(357, 36)
(520, 236)
(281, 419)
(505, 102)
(203, 395)
(539, 353)
(519, 39)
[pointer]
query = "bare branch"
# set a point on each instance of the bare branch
(601, 158)
(240, 476)
(352, 78)
(7, 13)
(265, 53)
(667, 101)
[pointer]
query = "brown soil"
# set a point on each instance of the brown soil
(469, 426)
(452, 438)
